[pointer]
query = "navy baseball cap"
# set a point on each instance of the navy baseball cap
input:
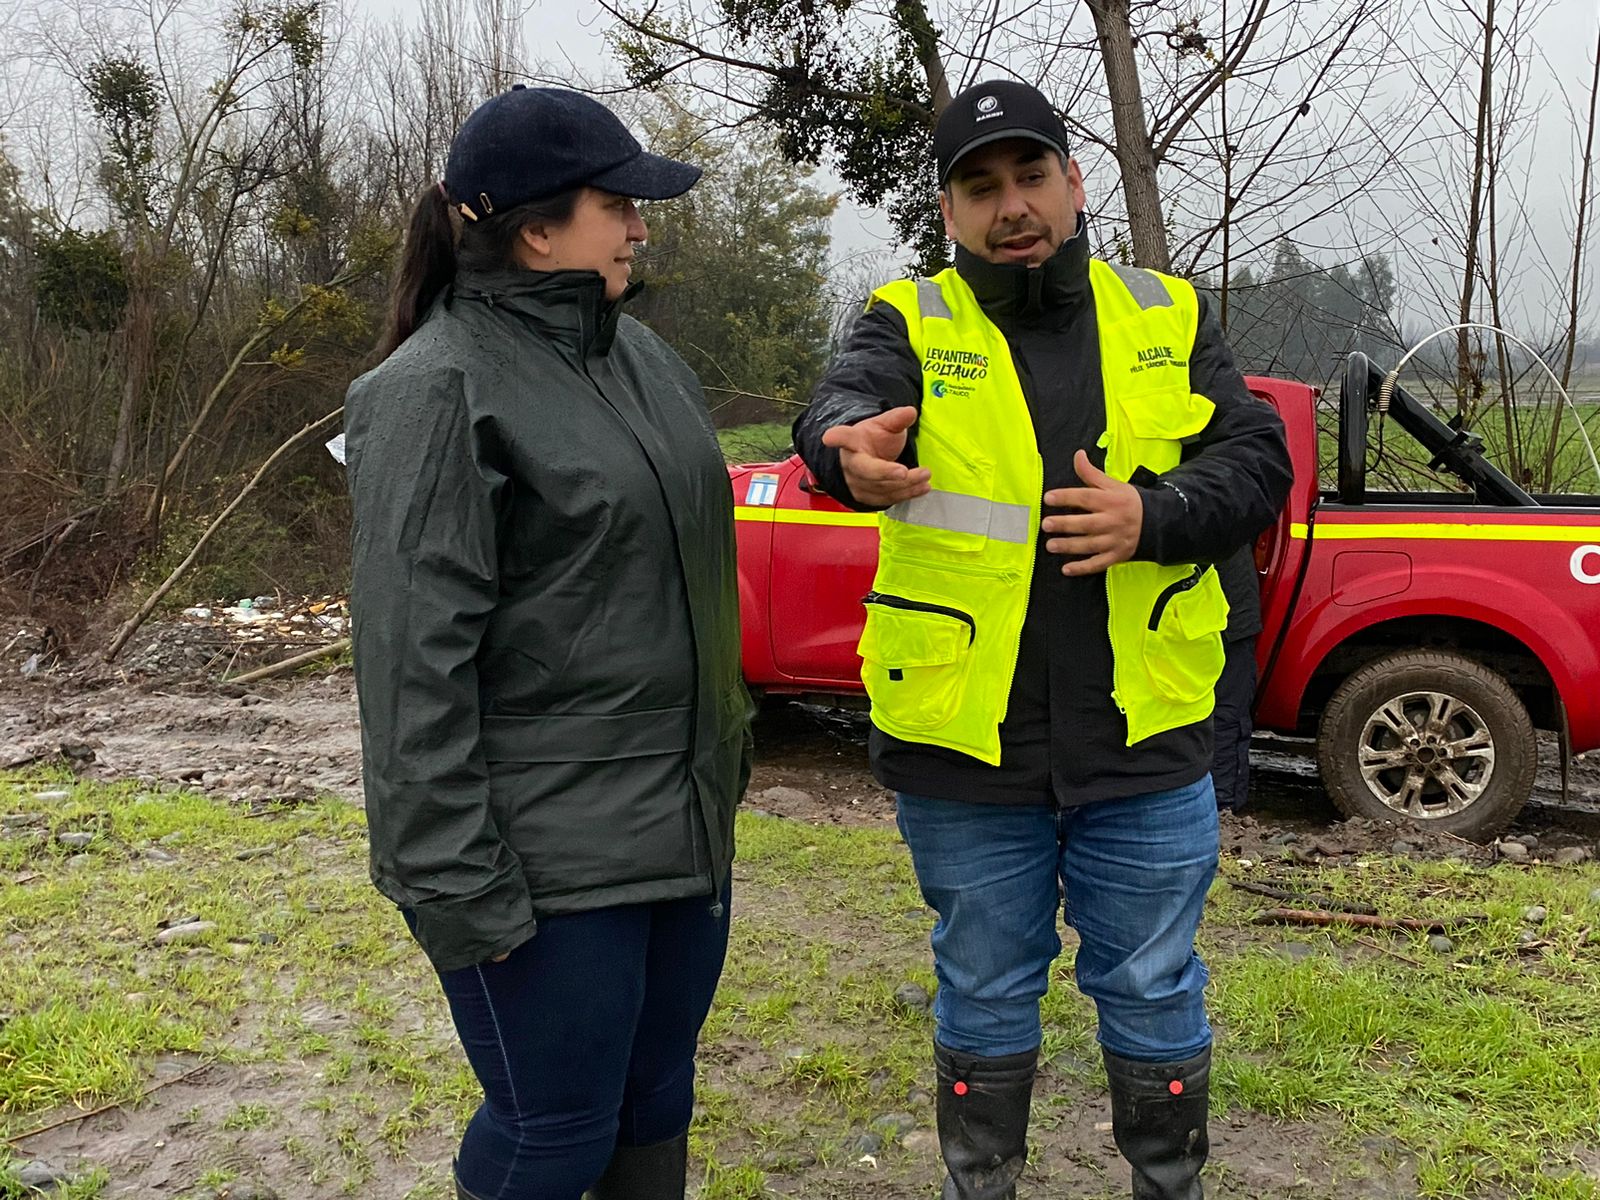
(991, 112)
(533, 143)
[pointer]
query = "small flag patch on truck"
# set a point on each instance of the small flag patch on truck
(763, 490)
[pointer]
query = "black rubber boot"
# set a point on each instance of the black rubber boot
(1158, 1117)
(645, 1172)
(983, 1121)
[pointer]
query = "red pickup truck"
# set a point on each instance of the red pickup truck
(1420, 637)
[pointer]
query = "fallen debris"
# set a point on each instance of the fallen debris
(1318, 902)
(1305, 916)
(290, 664)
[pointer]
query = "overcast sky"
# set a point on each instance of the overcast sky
(574, 30)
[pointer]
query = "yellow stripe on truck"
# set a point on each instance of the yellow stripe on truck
(791, 516)
(1335, 531)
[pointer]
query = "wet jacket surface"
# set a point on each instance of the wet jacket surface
(545, 613)
(1063, 740)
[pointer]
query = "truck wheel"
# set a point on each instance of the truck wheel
(1428, 737)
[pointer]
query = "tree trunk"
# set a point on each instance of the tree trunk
(1135, 155)
(1223, 287)
(1508, 376)
(138, 330)
(1466, 374)
(912, 16)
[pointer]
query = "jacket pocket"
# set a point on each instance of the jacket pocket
(915, 655)
(586, 737)
(1183, 644)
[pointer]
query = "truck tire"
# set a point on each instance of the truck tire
(1429, 738)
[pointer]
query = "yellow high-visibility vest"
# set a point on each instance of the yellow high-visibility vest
(944, 618)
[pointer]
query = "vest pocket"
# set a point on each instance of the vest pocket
(1167, 413)
(1151, 427)
(914, 659)
(955, 515)
(1183, 647)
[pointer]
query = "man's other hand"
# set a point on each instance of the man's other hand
(1106, 526)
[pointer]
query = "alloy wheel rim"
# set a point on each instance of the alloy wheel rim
(1426, 755)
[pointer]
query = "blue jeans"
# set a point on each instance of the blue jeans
(1134, 873)
(583, 1038)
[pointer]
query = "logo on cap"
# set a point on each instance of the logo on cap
(988, 106)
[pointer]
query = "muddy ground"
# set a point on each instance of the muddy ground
(299, 738)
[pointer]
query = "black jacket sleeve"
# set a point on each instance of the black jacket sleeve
(874, 371)
(1233, 479)
(429, 501)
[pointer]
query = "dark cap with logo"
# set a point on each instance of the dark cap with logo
(533, 143)
(992, 112)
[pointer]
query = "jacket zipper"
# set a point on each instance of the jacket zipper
(900, 602)
(1171, 590)
(699, 801)
(1024, 374)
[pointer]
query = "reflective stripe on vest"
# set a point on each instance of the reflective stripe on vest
(966, 514)
(944, 620)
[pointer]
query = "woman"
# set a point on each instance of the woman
(554, 726)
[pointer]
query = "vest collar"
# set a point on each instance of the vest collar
(1048, 295)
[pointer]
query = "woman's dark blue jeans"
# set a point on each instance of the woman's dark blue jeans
(583, 1038)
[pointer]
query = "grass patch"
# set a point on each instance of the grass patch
(332, 1058)
(763, 441)
(1485, 1062)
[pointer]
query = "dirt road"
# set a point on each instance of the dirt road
(292, 740)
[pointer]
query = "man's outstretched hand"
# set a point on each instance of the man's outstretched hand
(868, 451)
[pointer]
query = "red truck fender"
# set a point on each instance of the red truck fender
(1492, 599)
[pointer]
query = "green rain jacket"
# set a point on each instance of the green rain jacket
(546, 618)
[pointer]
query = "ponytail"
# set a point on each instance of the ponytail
(427, 265)
(433, 252)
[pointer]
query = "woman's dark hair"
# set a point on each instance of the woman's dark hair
(435, 251)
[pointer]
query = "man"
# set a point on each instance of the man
(1060, 448)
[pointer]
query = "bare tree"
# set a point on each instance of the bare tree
(1136, 153)
(1580, 231)
(1466, 378)
(425, 81)
(1146, 85)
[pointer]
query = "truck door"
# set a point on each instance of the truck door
(823, 560)
(1282, 550)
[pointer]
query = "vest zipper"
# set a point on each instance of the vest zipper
(900, 602)
(1036, 513)
(1171, 590)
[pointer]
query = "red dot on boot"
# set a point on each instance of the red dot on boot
(960, 1088)
(1176, 1087)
